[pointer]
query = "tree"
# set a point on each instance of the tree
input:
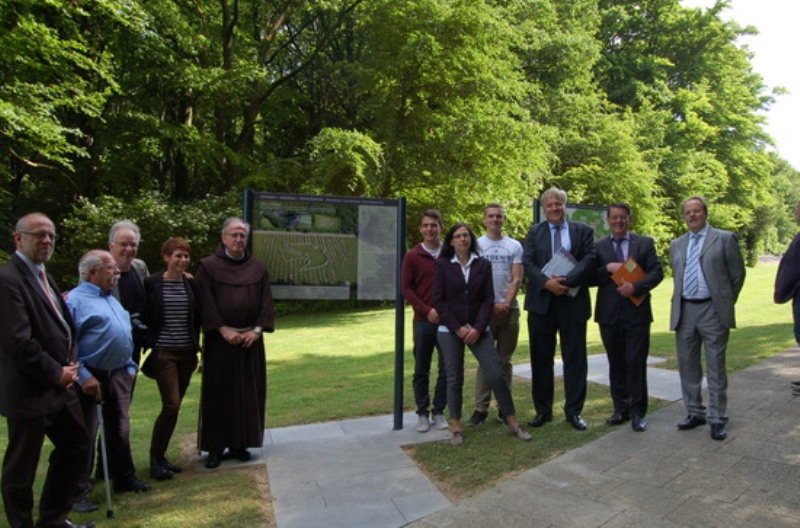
(684, 66)
(56, 74)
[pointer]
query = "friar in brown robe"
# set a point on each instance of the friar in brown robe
(236, 304)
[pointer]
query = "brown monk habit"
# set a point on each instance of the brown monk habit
(234, 293)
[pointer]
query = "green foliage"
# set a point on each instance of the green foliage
(344, 162)
(450, 104)
(158, 218)
(684, 70)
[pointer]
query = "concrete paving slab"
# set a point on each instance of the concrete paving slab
(644, 497)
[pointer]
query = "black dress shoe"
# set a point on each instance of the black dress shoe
(241, 454)
(691, 422)
(540, 419)
(577, 422)
(618, 418)
(718, 431)
(639, 424)
(158, 471)
(170, 466)
(214, 459)
(133, 485)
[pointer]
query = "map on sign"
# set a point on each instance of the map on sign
(326, 247)
(592, 215)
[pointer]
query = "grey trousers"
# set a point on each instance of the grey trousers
(453, 353)
(700, 326)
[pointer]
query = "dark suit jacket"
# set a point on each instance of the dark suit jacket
(723, 268)
(610, 304)
(34, 345)
(787, 280)
(459, 303)
(537, 252)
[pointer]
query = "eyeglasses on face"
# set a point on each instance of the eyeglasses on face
(40, 235)
(131, 245)
(236, 235)
(461, 235)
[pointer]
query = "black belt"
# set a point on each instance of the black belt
(695, 301)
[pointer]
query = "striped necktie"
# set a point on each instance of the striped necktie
(690, 284)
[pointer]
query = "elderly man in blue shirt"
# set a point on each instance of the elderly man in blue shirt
(106, 370)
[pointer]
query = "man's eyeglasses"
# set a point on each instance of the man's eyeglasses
(236, 235)
(131, 245)
(40, 235)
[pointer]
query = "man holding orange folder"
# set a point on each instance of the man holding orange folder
(627, 269)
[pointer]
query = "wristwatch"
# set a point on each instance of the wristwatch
(258, 330)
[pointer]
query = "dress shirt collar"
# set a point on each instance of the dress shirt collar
(33, 267)
(701, 234)
(93, 289)
(472, 256)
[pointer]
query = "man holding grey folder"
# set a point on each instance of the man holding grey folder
(558, 305)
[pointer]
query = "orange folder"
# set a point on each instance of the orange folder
(630, 271)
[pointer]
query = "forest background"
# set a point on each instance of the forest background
(163, 112)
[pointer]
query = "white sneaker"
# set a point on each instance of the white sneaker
(423, 425)
(439, 422)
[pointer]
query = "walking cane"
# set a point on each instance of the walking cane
(101, 425)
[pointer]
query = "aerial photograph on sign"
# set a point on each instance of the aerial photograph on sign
(325, 248)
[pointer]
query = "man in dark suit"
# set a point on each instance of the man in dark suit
(37, 374)
(624, 324)
(708, 273)
(558, 304)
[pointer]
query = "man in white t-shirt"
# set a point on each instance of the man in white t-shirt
(505, 254)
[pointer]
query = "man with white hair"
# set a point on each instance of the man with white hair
(558, 305)
(123, 244)
(107, 370)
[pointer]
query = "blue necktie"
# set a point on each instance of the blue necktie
(690, 284)
(620, 254)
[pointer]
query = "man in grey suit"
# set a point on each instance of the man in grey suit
(708, 274)
(624, 315)
(554, 309)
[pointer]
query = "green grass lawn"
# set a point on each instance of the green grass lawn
(341, 365)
